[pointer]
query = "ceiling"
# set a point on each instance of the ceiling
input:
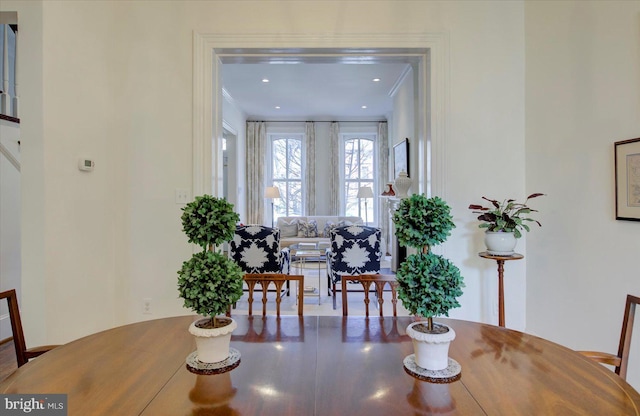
(313, 91)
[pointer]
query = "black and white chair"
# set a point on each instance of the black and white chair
(355, 250)
(256, 249)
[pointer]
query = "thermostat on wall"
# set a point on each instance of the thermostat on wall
(85, 164)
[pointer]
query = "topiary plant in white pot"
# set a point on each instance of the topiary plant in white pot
(210, 282)
(428, 284)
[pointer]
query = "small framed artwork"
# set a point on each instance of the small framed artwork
(401, 158)
(627, 165)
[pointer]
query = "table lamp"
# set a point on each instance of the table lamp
(365, 192)
(272, 192)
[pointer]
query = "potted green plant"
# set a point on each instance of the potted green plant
(428, 284)
(504, 223)
(210, 282)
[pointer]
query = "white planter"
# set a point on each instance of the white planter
(212, 344)
(431, 350)
(500, 243)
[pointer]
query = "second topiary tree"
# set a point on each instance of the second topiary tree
(428, 284)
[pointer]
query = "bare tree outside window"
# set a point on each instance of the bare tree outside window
(287, 174)
(359, 157)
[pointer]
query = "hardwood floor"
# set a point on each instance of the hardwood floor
(8, 363)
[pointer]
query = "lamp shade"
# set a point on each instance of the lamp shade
(272, 192)
(365, 192)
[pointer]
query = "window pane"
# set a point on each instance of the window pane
(287, 171)
(351, 207)
(366, 159)
(295, 159)
(279, 158)
(359, 171)
(351, 159)
(294, 192)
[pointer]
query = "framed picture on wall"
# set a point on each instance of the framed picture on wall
(401, 157)
(627, 165)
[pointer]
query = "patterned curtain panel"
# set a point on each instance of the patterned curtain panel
(310, 174)
(256, 155)
(334, 180)
(383, 178)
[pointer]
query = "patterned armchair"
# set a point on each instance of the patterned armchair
(355, 250)
(256, 249)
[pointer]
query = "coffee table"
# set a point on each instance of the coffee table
(303, 256)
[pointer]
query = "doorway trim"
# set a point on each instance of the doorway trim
(430, 49)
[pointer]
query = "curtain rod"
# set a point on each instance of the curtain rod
(318, 121)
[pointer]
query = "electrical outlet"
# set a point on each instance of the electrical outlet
(182, 196)
(146, 306)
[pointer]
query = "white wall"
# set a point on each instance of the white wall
(236, 120)
(10, 244)
(583, 89)
(116, 85)
(402, 125)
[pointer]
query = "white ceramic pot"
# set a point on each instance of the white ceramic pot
(402, 185)
(431, 350)
(500, 243)
(212, 344)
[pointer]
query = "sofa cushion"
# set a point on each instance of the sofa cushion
(289, 227)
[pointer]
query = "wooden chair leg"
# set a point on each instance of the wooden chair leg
(345, 310)
(251, 286)
(300, 286)
(379, 289)
(366, 285)
(278, 298)
(264, 286)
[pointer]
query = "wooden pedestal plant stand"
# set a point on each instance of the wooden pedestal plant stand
(210, 283)
(428, 286)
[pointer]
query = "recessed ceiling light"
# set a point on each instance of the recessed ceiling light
(364, 106)
(277, 107)
(265, 80)
(376, 80)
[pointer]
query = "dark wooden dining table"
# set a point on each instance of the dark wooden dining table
(321, 365)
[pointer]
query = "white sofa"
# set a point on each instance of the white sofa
(294, 230)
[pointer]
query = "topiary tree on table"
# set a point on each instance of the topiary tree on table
(428, 284)
(209, 282)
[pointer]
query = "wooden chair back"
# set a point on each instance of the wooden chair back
(621, 360)
(366, 280)
(23, 354)
(278, 279)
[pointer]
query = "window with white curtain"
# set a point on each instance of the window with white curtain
(287, 173)
(358, 158)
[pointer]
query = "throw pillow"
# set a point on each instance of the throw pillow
(288, 228)
(308, 229)
(302, 228)
(330, 225)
